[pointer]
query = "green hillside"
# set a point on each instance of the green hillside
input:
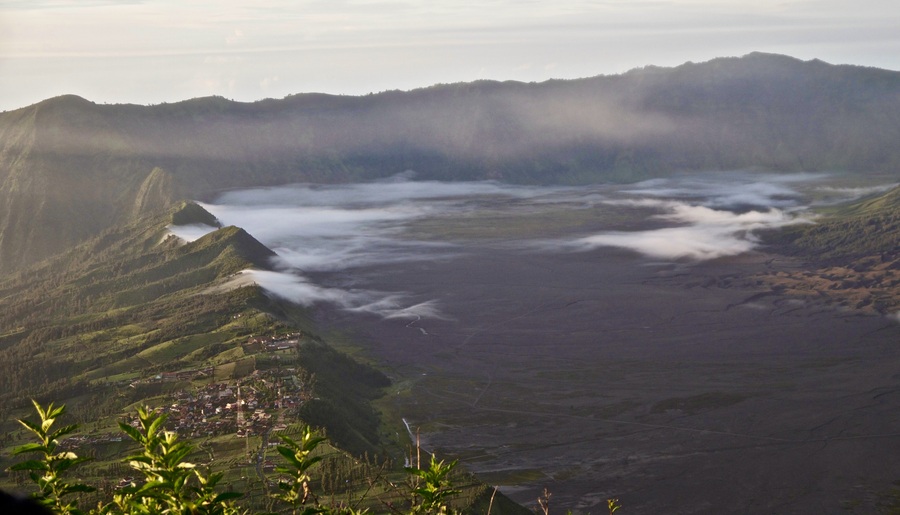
(138, 317)
(70, 168)
(136, 302)
(853, 253)
(868, 227)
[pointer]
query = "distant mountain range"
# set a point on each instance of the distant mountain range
(70, 168)
(97, 298)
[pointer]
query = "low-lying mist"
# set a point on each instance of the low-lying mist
(710, 216)
(324, 230)
(703, 232)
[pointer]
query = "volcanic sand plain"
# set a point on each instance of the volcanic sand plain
(674, 387)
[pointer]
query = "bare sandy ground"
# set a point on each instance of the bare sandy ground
(676, 388)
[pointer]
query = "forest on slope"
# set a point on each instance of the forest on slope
(70, 168)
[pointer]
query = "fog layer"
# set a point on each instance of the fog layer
(323, 230)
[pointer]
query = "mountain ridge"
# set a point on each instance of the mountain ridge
(70, 167)
(137, 300)
(129, 319)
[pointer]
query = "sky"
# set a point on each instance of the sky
(153, 51)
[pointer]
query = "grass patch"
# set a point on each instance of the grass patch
(173, 349)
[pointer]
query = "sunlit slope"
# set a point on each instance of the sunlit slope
(855, 255)
(136, 316)
(136, 302)
(70, 168)
(868, 227)
(70, 315)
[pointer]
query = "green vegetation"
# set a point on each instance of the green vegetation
(136, 318)
(130, 300)
(166, 482)
(868, 227)
(432, 488)
(49, 471)
(854, 250)
(170, 483)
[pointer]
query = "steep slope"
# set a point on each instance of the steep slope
(136, 302)
(121, 275)
(131, 317)
(57, 190)
(70, 168)
(157, 191)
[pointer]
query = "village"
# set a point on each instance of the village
(248, 406)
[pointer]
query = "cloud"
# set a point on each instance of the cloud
(730, 190)
(339, 227)
(314, 238)
(317, 230)
(836, 195)
(190, 232)
(672, 243)
(715, 222)
(708, 233)
(300, 290)
(428, 309)
(327, 228)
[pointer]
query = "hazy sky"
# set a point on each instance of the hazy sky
(167, 50)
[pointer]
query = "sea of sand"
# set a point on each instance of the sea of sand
(673, 384)
(674, 387)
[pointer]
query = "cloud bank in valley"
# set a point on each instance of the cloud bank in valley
(335, 228)
(317, 228)
(713, 215)
(729, 190)
(190, 232)
(300, 290)
(706, 234)
(324, 235)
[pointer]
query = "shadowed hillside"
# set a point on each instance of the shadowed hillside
(70, 168)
